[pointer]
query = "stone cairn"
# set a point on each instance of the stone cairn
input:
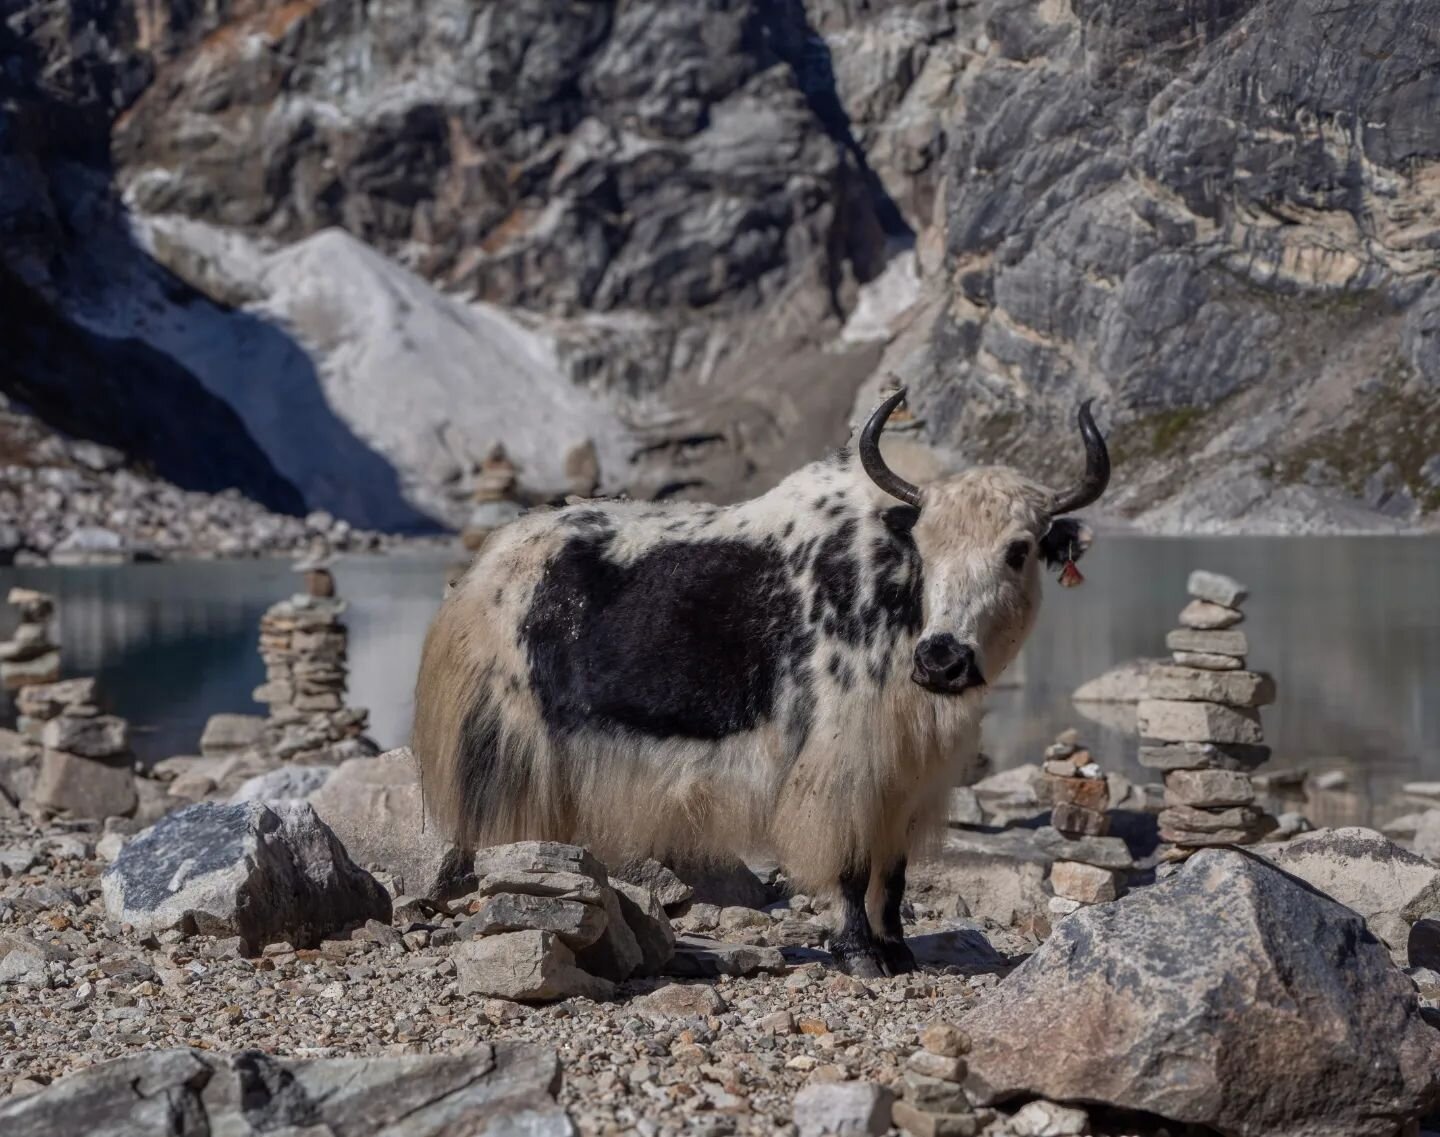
(934, 1098)
(86, 769)
(1200, 723)
(495, 502)
(1089, 866)
(30, 655)
(303, 643)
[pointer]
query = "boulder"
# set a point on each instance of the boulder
(85, 787)
(1427, 834)
(375, 807)
(1169, 720)
(526, 966)
(991, 876)
(1364, 870)
(1217, 589)
(1124, 683)
(1224, 996)
(227, 733)
(509, 1087)
(264, 873)
(90, 736)
(285, 784)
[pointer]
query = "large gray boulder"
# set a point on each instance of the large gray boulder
(190, 1093)
(1231, 996)
(376, 808)
(1366, 871)
(85, 787)
(265, 873)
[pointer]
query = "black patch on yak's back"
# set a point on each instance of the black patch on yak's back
(693, 639)
(837, 585)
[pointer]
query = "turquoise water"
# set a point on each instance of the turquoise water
(1349, 627)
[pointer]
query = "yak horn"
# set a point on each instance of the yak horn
(881, 474)
(1097, 468)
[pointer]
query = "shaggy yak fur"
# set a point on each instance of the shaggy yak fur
(801, 674)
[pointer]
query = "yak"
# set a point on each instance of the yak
(800, 674)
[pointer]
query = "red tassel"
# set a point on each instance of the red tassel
(1070, 576)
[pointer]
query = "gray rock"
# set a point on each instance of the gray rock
(25, 962)
(964, 808)
(1046, 1119)
(538, 857)
(1390, 887)
(1235, 688)
(1217, 589)
(265, 873)
(1169, 720)
(1427, 834)
(1010, 795)
(1208, 789)
(617, 954)
(227, 733)
(1203, 756)
(1294, 994)
(1207, 661)
(650, 925)
(375, 807)
(726, 884)
(698, 958)
(669, 889)
(1125, 683)
(1104, 852)
(511, 1086)
(991, 876)
(567, 885)
(85, 787)
(577, 925)
(679, 1001)
(93, 736)
(843, 1109)
(1231, 643)
(15, 674)
(284, 784)
(1206, 616)
(528, 967)
(46, 700)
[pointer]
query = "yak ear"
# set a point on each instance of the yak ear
(900, 518)
(1065, 540)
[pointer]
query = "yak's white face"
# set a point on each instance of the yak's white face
(982, 536)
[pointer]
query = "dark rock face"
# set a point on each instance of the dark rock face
(1224, 996)
(262, 872)
(190, 1093)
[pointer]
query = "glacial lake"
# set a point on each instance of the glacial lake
(1350, 627)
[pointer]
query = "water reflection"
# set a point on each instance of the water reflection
(1350, 628)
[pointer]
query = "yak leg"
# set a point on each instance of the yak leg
(895, 953)
(854, 946)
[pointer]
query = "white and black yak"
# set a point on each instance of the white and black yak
(800, 674)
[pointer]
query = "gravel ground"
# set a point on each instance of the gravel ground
(721, 1057)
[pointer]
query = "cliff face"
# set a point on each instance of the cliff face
(700, 229)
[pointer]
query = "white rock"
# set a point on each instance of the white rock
(1046, 1119)
(844, 1109)
(1217, 588)
(527, 966)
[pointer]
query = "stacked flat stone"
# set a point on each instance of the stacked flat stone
(86, 768)
(494, 501)
(934, 1101)
(1089, 867)
(30, 655)
(303, 642)
(1200, 723)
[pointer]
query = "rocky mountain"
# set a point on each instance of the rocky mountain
(331, 252)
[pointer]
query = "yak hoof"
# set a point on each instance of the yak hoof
(897, 957)
(860, 964)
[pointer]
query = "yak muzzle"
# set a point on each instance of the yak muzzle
(946, 666)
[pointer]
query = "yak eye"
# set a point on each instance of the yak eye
(1015, 554)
